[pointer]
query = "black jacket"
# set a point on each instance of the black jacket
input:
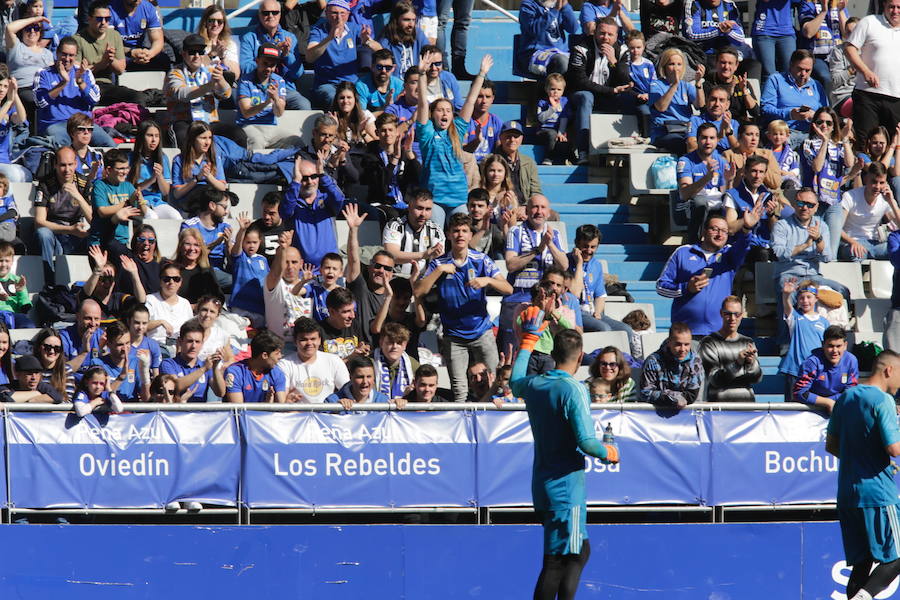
(582, 57)
(376, 175)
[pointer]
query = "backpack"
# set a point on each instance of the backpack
(865, 353)
(662, 173)
(55, 303)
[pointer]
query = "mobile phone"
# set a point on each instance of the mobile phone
(708, 272)
(803, 108)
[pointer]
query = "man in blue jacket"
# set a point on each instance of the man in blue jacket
(828, 372)
(793, 96)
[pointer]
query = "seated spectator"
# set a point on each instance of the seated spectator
(543, 28)
(164, 390)
(745, 106)
(137, 318)
(747, 193)
(661, 17)
(532, 247)
(729, 358)
(9, 216)
(748, 145)
(361, 387)
(425, 386)
(101, 48)
(593, 79)
(828, 372)
(88, 162)
(250, 270)
(61, 213)
(258, 378)
(63, 89)
(716, 112)
(128, 369)
(47, 346)
(193, 91)
(401, 307)
(12, 112)
(593, 11)
(343, 333)
(338, 166)
(94, 392)
(270, 224)
(414, 237)
(610, 379)
(115, 203)
(793, 96)
(29, 385)
(211, 208)
(522, 169)
(151, 171)
(821, 30)
(261, 98)
(439, 83)
(393, 366)
(403, 38)
(881, 147)
(673, 375)
(310, 204)
(145, 254)
(713, 25)
(671, 100)
(390, 168)
(29, 9)
(221, 46)
(356, 125)
(192, 257)
(788, 161)
(334, 47)
(805, 326)
(311, 375)
(81, 341)
(462, 277)
(484, 127)
(703, 176)
(503, 194)
(26, 56)
(168, 310)
(377, 89)
(864, 208)
(698, 278)
(215, 338)
(284, 306)
(14, 299)
(290, 68)
(197, 166)
(843, 75)
(488, 237)
(553, 113)
(194, 375)
(142, 34)
(826, 162)
(101, 287)
(480, 381)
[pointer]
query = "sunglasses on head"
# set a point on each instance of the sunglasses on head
(51, 348)
(171, 278)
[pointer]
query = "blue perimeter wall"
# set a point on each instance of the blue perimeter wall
(796, 561)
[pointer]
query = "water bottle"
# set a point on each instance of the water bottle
(608, 438)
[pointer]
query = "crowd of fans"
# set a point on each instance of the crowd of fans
(803, 174)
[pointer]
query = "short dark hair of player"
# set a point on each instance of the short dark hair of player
(359, 362)
(459, 220)
(190, 326)
(265, 341)
(885, 358)
(425, 370)
(338, 298)
(567, 346)
(587, 233)
(834, 332)
(679, 327)
(305, 325)
(272, 199)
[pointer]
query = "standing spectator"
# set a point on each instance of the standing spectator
(642, 72)
(744, 105)
(593, 79)
(793, 96)
(334, 49)
(610, 379)
(673, 375)
(369, 288)
(806, 326)
(729, 358)
(361, 388)
(283, 306)
(543, 41)
(671, 99)
(197, 167)
(194, 375)
(716, 112)
(310, 374)
(168, 310)
(485, 127)
(64, 89)
(261, 98)
(290, 67)
(863, 210)
(872, 50)
(842, 72)
(713, 25)
(414, 237)
(403, 37)
(822, 27)
(151, 171)
(298, 18)
(522, 169)
(828, 372)
(270, 224)
(250, 271)
(459, 33)
(193, 91)
(221, 47)
(774, 37)
(699, 277)
(703, 175)
(258, 378)
(532, 247)
(26, 56)
(61, 212)
(142, 34)
(404, 107)
(377, 89)
(462, 277)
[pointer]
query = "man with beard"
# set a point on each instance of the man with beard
(403, 38)
(368, 287)
(414, 238)
(210, 222)
(270, 225)
(378, 88)
(343, 333)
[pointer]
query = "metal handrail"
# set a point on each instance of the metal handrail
(243, 9)
(501, 10)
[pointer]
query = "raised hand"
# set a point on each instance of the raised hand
(99, 256)
(21, 283)
(285, 238)
(308, 272)
(352, 216)
(533, 322)
(244, 220)
(790, 286)
(700, 72)
(128, 264)
(487, 61)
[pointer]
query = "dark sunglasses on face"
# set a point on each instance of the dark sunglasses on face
(270, 13)
(51, 348)
(824, 122)
(381, 267)
(103, 19)
(146, 240)
(384, 67)
(171, 278)
(84, 129)
(437, 63)
(195, 51)
(312, 177)
(803, 204)
(32, 28)
(215, 22)
(609, 365)
(728, 313)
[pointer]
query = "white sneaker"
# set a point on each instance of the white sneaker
(115, 405)
(193, 505)
(173, 506)
(82, 409)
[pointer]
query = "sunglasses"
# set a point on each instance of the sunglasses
(85, 129)
(728, 313)
(215, 22)
(609, 365)
(146, 240)
(804, 204)
(437, 63)
(310, 177)
(195, 51)
(171, 278)
(32, 28)
(51, 348)
(270, 13)
(380, 267)
(384, 67)
(824, 122)
(103, 19)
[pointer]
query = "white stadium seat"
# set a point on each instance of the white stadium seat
(607, 127)
(250, 197)
(17, 335)
(881, 278)
(618, 310)
(143, 80)
(641, 178)
(651, 342)
(847, 273)
(870, 313)
(297, 122)
(24, 195)
(601, 339)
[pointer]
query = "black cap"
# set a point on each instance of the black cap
(193, 41)
(28, 364)
(269, 50)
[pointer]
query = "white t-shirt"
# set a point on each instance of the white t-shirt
(879, 46)
(217, 339)
(175, 315)
(283, 308)
(317, 379)
(862, 219)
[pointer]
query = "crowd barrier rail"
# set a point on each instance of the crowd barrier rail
(450, 456)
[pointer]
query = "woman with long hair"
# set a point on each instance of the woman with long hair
(12, 112)
(403, 37)
(26, 55)
(151, 171)
(192, 256)
(440, 137)
(221, 47)
(215, 338)
(610, 379)
(496, 178)
(671, 99)
(197, 165)
(356, 125)
(827, 163)
(168, 310)
(6, 373)
(48, 348)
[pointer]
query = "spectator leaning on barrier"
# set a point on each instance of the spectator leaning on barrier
(258, 378)
(48, 348)
(194, 375)
(311, 375)
(29, 385)
(673, 375)
(425, 386)
(828, 372)
(610, 379)
(362, 387)
(729, 358)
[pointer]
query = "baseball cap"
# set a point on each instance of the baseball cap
(269, 50)
(28, 364)
(340, 4)
(513, 126)
(193, 41)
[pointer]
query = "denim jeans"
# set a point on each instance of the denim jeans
(459, 34)
(833, 215)
(774, 52)
(606, 323)
(822, 74)
(294, 100)
(459, 353)
(53, 245)
(100, 138)
(874, 250)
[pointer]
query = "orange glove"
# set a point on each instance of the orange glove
(533, 326)
(612, 453)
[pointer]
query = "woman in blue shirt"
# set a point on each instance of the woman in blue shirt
(774, 37)
(671, 99)
(6, 374)
(440, 137)
(197, 165)
(150, 171)
(12, 112)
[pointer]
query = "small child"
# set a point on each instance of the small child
(111, 195)
(779, 133)
(484, 127)
(329, 278)
(14, 299)
(640, 325)
(9, 215)
(250, 271)
(553, 115)
(92, 393)
(138, 318)
(806, 327)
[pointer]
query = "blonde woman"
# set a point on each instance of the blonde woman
(192, 257)
(671, 99)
